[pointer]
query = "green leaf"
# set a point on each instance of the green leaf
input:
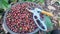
(41, 1)
(4, 7)
(48, 22)
(0, 16)
(4, 4)
(5, 1)
(0, 4)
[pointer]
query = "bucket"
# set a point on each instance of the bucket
(18, 20)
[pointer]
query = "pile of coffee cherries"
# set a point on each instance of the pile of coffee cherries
(19, 19)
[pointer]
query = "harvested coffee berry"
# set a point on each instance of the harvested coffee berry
(19, 19)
